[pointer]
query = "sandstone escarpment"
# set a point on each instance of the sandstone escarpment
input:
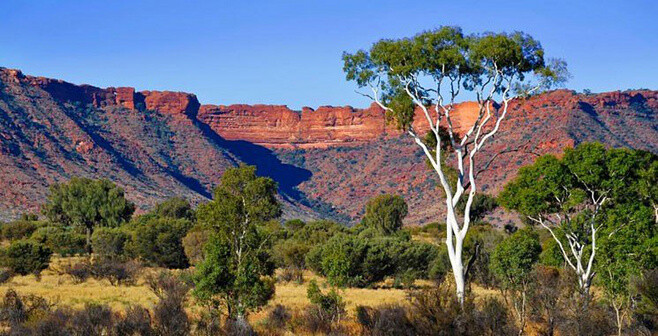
(328, 161)
(277, 126)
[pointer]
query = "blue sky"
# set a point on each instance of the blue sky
(288, 52)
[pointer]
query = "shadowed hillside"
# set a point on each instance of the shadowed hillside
(160, 144)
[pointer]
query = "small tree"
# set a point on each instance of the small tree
(160, 241)
(27, 257)
(570, 196)
(426, 74)
(88, 203)
(237, 262)
(512, 263)
(385, 213)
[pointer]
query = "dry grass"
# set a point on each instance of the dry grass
(63, 290)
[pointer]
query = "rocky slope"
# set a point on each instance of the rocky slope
(327, 161)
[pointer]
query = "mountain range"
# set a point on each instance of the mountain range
(327, 161)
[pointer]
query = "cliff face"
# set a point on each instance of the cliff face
(328, 161)
(277, 126)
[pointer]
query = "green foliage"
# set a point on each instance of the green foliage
(27, 257)
(514, 258)
(159, 241)
(237, 266)
(291, 253)
(194, 243)
(395, 65)
(19, 229)
(318, 232)
(65, 242)
(239, 283)
(482, 205)
(175, 207)
(88, 203)
(331, 304)
(551, 254)
(294, 224)
(626, 254)
(567, 189)
(240, 197)
(385, 213)
(110, 242)
(349, 260)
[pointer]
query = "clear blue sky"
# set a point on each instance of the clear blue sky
(288, 52)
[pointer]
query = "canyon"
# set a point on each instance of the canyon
(327, 161)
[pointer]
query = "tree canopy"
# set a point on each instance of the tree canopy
(385, 213)
(88, 203)
(237, 263)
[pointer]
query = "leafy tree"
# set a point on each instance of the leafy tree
(159, 240)
(237, 265)
(175, 207)
(570, 197)
(424, 75)
(385, 213)
(110, 242)
(625, 255)
(88, 203)
(512, 263)
(26, 257)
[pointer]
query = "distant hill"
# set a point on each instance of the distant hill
(327, 161)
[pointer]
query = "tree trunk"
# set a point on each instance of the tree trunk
(89, 232)
(460, 281)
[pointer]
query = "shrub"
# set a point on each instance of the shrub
(159, 241)
(383, 321)
(136, 321)
(193, 244)
(348, 260)
(109, 242)
(175, 207)
(278, 317)
(24, 257)
(169, 313)
(331, 305)
(5, 275)
(436, 311)
(80, 271)
(116, 272)
(59, 240)
(94, 319)
(18, 230)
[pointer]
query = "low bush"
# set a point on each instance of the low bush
(115, 271)
(193, 244)
(330, 306)
(278, 318)
(136, 321)
(93, 319)
(27, 257)
(19, 229)
(169, 314)
(109, 242)
(60, 240)
(159, 241)
(349, 260)
(384, 321)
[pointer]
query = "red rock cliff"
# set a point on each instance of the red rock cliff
(279, 126)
